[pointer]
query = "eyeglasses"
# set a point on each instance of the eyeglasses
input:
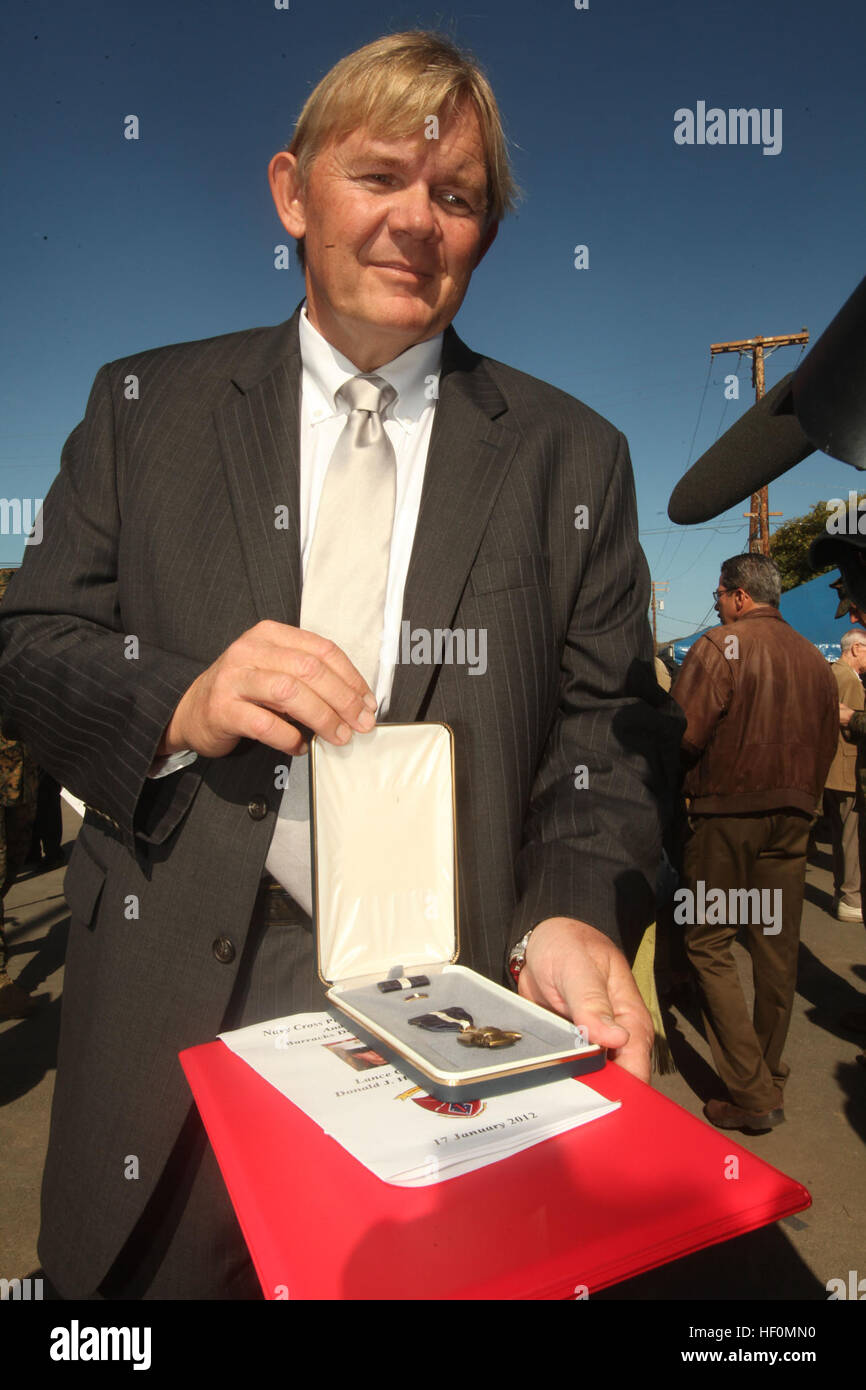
(717, 592)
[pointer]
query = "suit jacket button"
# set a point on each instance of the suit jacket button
(224, 950)
(258, 808)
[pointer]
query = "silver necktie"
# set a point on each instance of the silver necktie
(343, 596)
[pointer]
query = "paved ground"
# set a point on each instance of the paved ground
(821, 1144)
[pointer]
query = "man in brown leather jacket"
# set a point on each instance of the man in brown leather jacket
(762, 710)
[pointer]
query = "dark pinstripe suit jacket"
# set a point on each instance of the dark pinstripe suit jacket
(160, 527)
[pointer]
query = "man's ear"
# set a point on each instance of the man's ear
(486, 242)
(287, 193)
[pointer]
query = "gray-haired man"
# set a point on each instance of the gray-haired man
(840, 790)
(191, 520)
(762, 713)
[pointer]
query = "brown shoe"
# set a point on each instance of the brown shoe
(724, 1115)
(15, 1002)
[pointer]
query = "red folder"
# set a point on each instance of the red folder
(601, 1203)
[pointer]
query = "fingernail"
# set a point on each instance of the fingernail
(343, 733)
(366, 720)
(371, 702)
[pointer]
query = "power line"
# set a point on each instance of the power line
(687, 622)
(694, 562)
(700, 413)
(676, 548)
(678, 530)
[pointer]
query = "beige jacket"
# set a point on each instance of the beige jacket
(842, 775)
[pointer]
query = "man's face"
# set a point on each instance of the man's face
(393, 229)
(857, 653)
(724, 604)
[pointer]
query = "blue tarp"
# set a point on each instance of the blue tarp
(809, 608)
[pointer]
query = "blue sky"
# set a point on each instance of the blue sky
(112, 245)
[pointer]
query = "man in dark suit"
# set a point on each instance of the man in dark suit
(155, 656)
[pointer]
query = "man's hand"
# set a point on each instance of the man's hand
(577, 972)
(845, 712)
(272, 678)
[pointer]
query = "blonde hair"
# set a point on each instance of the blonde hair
(392, 86)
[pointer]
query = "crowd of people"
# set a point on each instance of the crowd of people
(771, 741)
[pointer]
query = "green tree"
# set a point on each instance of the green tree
(789, 546)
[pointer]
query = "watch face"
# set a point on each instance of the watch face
(518, 952)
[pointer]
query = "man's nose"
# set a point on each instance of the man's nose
(412, 211)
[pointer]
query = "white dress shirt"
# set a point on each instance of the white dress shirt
(408, 422)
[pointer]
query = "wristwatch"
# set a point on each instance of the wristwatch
(517, 958)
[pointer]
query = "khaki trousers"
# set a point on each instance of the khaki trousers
(843, 821)
(766, 852)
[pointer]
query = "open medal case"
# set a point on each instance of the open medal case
(384, 854)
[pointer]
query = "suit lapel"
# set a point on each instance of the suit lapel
(470, 453)
(259, 435)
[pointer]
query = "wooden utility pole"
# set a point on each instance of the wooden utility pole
(662, 585)
(759, 516)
